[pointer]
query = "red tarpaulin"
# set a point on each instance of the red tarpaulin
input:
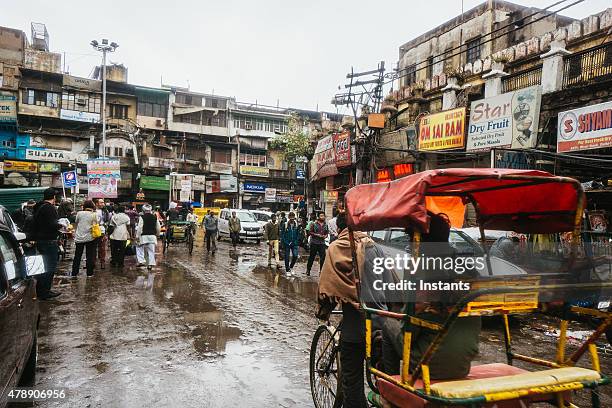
(526, 201)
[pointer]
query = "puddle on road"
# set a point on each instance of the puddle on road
(285, 284)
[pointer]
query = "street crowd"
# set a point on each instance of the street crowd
(99, 226)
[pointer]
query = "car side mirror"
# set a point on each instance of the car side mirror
(35, 265)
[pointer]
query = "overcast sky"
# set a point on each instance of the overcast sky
(295, 52)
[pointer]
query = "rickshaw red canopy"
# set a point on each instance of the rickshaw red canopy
(525, 201)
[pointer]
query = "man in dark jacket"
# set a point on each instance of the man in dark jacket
(290, 238)
(272, 235)
(23, 215)
(45, 230)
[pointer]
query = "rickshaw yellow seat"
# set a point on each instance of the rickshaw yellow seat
(516, 382)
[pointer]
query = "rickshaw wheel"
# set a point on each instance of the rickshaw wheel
(325, 372)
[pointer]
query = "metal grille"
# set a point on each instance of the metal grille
(589, 66)
(523, 79)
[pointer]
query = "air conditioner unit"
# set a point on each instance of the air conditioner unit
(81, 102)
(159, 122)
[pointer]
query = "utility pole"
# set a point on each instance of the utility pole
(105, 47)
(238, 203)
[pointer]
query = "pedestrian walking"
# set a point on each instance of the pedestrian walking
(147, 231)
(333, 229)
(85, 238)
(318, 232)
(272, 235)
(211, 225)
(24, 215)
(234, 228)
(45, 230)
(291, 242)
(119, 229)
(102, 241)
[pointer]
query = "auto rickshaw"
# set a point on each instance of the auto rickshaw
(523, 201)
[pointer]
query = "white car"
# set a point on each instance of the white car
(250, 229)
(262, 216)
(6, 218)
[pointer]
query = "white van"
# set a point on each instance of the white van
(262, 216)
(250, 229)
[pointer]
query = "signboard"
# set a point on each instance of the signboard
(330, 195)
(254, 187)
(49, 167)
(506, 120)
(228, 184)
(383, 175)
(376, 120)
(283, 196)
(154, 183)
(103, 177)
(342, 149)
(199, 182)
(399, 143)
(8, 109)
(300, 174)
(442, 131)
(1, 167)
(82, 83)
(70, 178)
(270, 196)
(585, 128)
(55, 155)
(276, 160)
(20, 166)
(161, 162)
(402, 169)
(254, 171)
(509, 159)
(220, 168)
(324, 159)
(79, 116)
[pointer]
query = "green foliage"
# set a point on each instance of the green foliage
(295, 142)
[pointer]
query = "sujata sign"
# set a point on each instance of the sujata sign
(585, 128)
(342, 149)
(506, 120)
(441, 131)
(54, 155)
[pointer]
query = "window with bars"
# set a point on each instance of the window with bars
(40, 98)
(448, 60)
(114, 152)
(430, 65)
(221, 156)
(185, 99)
(117, 111)
(82, 101)
(268, 125)
(155, 110)
(248, 159)
(472, 50)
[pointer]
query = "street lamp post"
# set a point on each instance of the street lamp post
(105, 47)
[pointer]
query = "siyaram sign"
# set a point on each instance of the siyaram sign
(53, 155)
(585, 128)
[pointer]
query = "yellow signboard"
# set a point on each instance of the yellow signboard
(254, 171)
(443, 130)
(20, 166)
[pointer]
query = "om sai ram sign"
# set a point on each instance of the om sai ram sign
(508, 120)
(442, 131)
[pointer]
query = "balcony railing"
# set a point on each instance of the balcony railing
(522, 79)
(588, 67)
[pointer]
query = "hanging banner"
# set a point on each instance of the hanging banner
(506, 120)
(103, 177)
(20, 166)
(585, 128)
(270, 196)
(228, 184)
(342, 149)
(509, 159)
(442, 131)
(8, 109)
(154, 183)
(199, 182)
(254, 171)
(49, 167)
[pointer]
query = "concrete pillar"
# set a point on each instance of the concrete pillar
(449, 93)
(493, 80)
(552, 67)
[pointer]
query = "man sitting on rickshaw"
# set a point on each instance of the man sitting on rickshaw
(460, 346)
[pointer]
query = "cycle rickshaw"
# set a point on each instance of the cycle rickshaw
(179, 232)
(524, 201)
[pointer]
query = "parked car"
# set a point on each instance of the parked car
(5, 218)
(262, 216)
(394, 241)
(19, 315)
(250, 229)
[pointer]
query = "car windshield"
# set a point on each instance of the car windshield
(245, 216)
(262, 217)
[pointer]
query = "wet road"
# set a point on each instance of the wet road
(201, 331)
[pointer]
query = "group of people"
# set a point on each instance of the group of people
(95, 228)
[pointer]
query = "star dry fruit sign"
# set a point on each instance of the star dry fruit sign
(442, 131)
(506, 120)
(585, 128)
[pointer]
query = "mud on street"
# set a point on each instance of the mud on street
(203, 331)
